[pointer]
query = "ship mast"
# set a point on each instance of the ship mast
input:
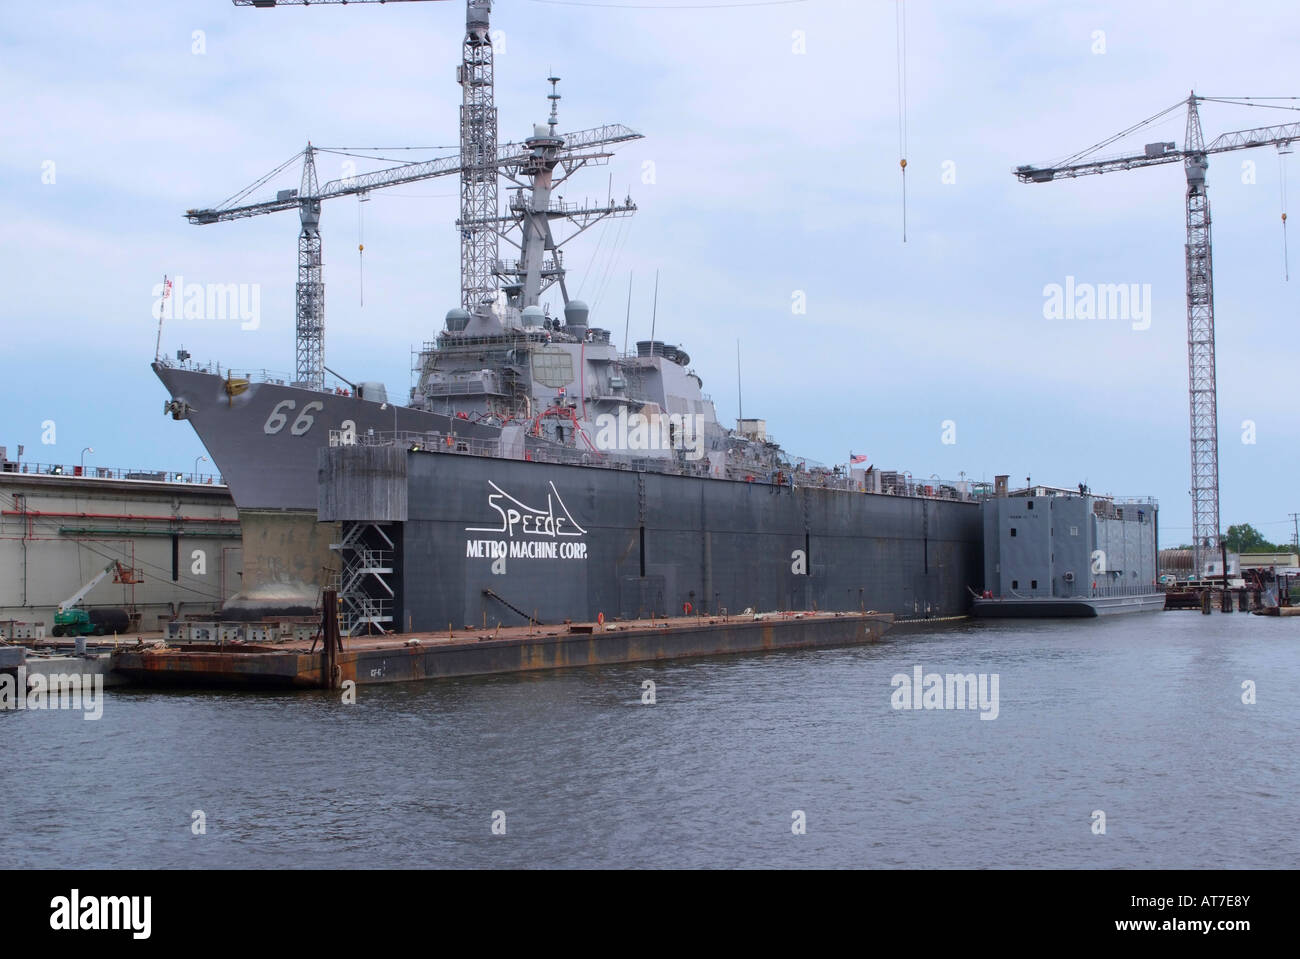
(533, 170)
(533, 223)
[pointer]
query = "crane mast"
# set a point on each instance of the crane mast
(310, 299)
(1202, 392)
(478, 153)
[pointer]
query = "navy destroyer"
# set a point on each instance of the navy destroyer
(558, 475)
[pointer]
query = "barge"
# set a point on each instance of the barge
(367, 660)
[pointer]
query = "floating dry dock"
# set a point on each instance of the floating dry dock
(396, 659)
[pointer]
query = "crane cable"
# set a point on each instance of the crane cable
(361, 250)
(1286, 257)
(900, 54)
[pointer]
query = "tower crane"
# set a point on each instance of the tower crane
(310, 300)
(478, 145)
(307, 200)
(1202, 390)
(479, 163)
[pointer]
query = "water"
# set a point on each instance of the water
(1140, 717)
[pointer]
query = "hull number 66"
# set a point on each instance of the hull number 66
(275, 422)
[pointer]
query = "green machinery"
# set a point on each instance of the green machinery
(71, 620)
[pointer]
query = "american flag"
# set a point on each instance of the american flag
(857, 458)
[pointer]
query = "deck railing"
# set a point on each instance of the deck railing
(819, 478)
(76, 471)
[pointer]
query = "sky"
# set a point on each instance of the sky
(770, 204)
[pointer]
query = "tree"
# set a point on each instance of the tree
(1244, 538)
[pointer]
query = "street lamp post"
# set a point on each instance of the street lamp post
(197, 461)
(85, 450)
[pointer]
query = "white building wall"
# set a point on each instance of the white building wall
(58, 532)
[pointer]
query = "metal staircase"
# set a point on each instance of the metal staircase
(365, 593)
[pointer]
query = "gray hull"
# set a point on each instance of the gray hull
(1055, 608)
(275, 468)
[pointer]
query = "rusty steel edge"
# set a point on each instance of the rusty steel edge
(468, 656)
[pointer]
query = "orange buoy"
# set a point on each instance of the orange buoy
(600, 619)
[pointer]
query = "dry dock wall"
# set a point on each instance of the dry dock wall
(57, 532)
(483, 535)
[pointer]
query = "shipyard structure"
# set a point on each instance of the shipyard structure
(151, 546)
(540, 469)
(1057, 552)
(431, 539)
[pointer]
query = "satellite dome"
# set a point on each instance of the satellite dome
(575, 313)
